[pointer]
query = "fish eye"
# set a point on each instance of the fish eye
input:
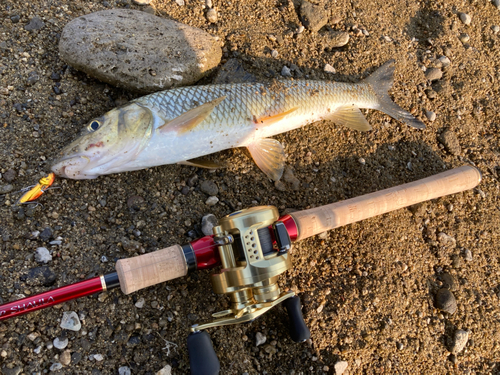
(94, 125)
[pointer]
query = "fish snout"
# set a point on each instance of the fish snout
(72, 168)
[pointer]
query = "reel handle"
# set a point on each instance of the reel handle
(320, 219)
(152, 268)
(299, 332)
(202, 357)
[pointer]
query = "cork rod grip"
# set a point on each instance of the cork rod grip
(150, 269)
(319, 219)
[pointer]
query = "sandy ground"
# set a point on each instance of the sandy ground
(368, 289)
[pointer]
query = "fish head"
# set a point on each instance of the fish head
(107, 143)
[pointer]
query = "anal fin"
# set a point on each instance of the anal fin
(201, 163)
(350, 116)
(269, 156)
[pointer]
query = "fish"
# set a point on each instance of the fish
(183, 124)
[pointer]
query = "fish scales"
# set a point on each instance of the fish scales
(182, 124)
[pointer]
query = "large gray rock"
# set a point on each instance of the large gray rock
(138, 51)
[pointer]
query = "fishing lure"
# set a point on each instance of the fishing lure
(36, 190)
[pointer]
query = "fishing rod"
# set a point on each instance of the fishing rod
(252, 246)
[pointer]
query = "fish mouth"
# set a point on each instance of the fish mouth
(72, 167)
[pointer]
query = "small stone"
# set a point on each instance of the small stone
(167, 370)
(65, 358)
(274, 54)
(209, 187)
(259, 339)
(329, 69)
(42, 255)
(468, 255)
(286, 72)
(362, 161)
(134, 201)
(35, 24)
(40, 276)
(399, 345)
(340, 367)
(301, 29)
(70, 321)
(15, 18)
(60, 343)
(464, 38)
(212, 15)
(450, 142)
(459, 341)
(180, 3)
(313, 17)
(433, 74)
(9, 175)
(208, 222)
(56, 367)
(496, 3)
(335, 39)
(141, 2)
(445, 301)
(98, 357)
(444, 61)
(465, 18)
(495, 29)
(431, 116)
(4, 189)
(446, 240)
(124, 370)
(449, 281)
(211, 201)
(46, 234)
(32, 78)
(104, 259)
(76, 357)
(140, 303)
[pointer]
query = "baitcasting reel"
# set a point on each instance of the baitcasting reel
(253, 248)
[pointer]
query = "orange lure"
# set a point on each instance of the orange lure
(37, 190)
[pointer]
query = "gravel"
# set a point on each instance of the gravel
(313, 17)
(340, 367)
(60, 343)
(460, 339)
(445, 301)
(70, 321)
(260, 339)
(42, 255)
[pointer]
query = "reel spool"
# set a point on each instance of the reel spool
(253, 248)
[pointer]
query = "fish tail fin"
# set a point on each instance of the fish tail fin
(381, 82)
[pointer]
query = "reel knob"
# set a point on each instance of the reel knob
(298, 329)
(202, 357)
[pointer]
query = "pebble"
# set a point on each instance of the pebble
(56, 367)
(465, 18)
(468, 255)
(98, 357)
(496, 3)
(46, 234)
(60, 343)
(449, 281)
(141, 2)
(70, 321)
(433, 74)
(212, 15)
(431, 116)
(65, 358)
(124, 370)
(167, 370)
(140, 303)
(450, 142)
(180, 3)
(495, 29)
(329, 69)
(274, 54)
(399, 345)
(209, 187)
(459, 341)
(260, 339)
(301, 29)
(444, 61)
(446, 240)
(286, 72)
(9, 175)
(42, 255)
(211, 201)
(340, 367)
(15, 18)
(135, 34)
(445, 301)
(208, 222)
(313, 17)
(335, 39)
(35, 24)
(134, 201)
(4, 189)
(464, 38)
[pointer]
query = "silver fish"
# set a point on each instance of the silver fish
(178, 125)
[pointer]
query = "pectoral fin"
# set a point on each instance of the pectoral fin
(201, 163)
(192, 118)
(351, 117)
(269, 120)
(269, 156)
